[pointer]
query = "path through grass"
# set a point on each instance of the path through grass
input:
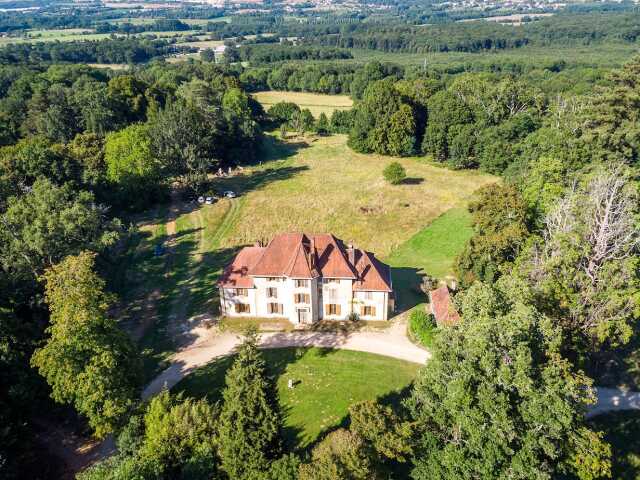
(327, 382)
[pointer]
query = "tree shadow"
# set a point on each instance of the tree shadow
(272, 149)
(412, 181)
(406, 285)
(242, 183)
(622, 431)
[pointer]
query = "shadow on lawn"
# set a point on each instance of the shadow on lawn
(406, 284)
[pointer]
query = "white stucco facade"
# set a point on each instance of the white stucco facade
(304, 301)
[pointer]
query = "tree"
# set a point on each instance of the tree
(208, 55)
(172, 438)
(128, 94)
(45, 225)
(131, 166)
(445, 111)
(35, 157)
(499, 217)
(250, 425)
(302, 121)
(498, 400)
(180, 437)
(87, 360)
(187, 139)
(585, 269)
(282, 112)
(383, 430)
(401, 135)
(322, 124)
(341, 454)
(394, 173)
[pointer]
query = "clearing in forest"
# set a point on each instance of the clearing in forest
(315, 185)
(317, 103)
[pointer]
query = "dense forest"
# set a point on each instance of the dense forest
(113, 50)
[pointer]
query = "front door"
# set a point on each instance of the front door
(303, 315)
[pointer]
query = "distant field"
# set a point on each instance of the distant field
(319, 402)
(75, 34)
(317, 103)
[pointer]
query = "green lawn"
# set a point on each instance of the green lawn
(431, 251)
(327, 382)
(622, 431)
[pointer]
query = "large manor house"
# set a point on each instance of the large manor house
(306, 278)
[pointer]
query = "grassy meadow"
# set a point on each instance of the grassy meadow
(315, 184)
(318, 402)
(316, 103)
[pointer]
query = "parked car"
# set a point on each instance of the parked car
(209, 200)
(230, 194)
(201, 200)
(158, 250)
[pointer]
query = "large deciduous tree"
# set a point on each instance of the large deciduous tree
(87, 360)
(585, 268)
(498, 400)
(48, 223)
(131, 166)
(250, 423)
(499, 217)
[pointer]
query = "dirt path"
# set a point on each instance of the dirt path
(391, 342)
(613, 399)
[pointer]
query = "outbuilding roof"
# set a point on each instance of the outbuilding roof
(442, 307)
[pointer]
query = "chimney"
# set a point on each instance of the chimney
(312, 253)
(351, 254)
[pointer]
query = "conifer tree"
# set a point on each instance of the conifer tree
(250, 423)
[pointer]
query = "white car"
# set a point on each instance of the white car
(201, 200)
(209, 200)
(230, 194)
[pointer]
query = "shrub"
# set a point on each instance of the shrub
(283, 111)
(394, 173)
(422, 327)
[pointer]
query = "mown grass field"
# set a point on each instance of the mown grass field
(326, 383)
(315, 102)
(431, 251)
(316, 184)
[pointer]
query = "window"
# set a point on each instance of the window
(242, 308)
(273, 279)
(302, 283)
(272, 292)
(368, 295)
(368, 311)
(331, 280)
(332, 294)
(302, 298)
(241, 292)
(275, 308)
(332, 309)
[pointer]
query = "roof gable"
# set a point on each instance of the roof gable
(372, 274)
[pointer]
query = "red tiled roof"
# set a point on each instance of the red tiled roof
(332, 258)
(442, 307)
(372, 274)
(236, 273)
(297, 255)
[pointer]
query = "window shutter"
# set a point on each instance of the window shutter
(280, 309)
(338, 309)
(373, 311)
